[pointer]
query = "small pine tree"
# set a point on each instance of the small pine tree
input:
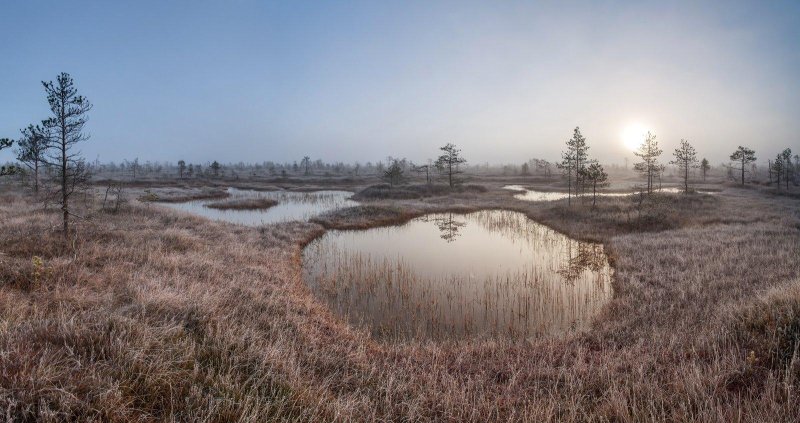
(6, 170)
(649, 166)
(394, 173)
(786, 156)
(567, 165)
(777, 169)
(134, 165)
(215, 167)
(597, 177)
(449, 163)
(705, 167)
(31, 151)
(65, 129)
(743, 156)
(685, 159)
(579, 153)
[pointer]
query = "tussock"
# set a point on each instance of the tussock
(243, 204)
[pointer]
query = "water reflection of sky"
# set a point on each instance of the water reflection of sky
(450, 275)
(535, 195)
(291, 206)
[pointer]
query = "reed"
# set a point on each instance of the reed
(561, 284)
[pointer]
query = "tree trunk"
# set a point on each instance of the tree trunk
(450, 174)
(769, 170)
(569, 187)
(64, 195)
(686, 178)
(594, 194)
(742, 171)
(36, 176)
(788, 163)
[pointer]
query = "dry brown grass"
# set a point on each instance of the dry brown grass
(167, 195)
(154, 315)
(244, 204)
(410, 191)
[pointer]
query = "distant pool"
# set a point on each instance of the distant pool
(535, 195)
(292, 206)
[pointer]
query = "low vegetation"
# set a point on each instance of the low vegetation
(182, 195)
(411, 191)
(244, 204)
(155, 315)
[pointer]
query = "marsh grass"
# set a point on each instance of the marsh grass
(243, 204)
(532, 280)
(155, 315)
(411, 191)
(166, 195)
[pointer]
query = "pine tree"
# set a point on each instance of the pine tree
(6, 170)
(597, 177)
(567, 165)
(450, 162)
(649, 166)
(65, 130)
(394, 173)
(786, 155)
(744, 156)
(31, 150)
(777, 169)
(685, 159)
(579, 153)
(705, 167)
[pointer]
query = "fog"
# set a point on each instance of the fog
(246, 81)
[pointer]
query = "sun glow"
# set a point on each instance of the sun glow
(633, 135)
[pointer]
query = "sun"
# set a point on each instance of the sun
(633, 135)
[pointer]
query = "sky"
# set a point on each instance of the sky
(254, 81)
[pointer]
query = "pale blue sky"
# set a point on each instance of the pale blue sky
(506, 81)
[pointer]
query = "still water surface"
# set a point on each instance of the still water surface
(291, 206)
(534, 195)
(485, 274)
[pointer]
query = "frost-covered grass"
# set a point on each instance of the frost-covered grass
(152, 314)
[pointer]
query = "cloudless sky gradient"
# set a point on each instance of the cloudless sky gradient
(248, 80)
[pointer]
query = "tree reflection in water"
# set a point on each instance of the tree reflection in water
(589, 256)
(448, 226)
